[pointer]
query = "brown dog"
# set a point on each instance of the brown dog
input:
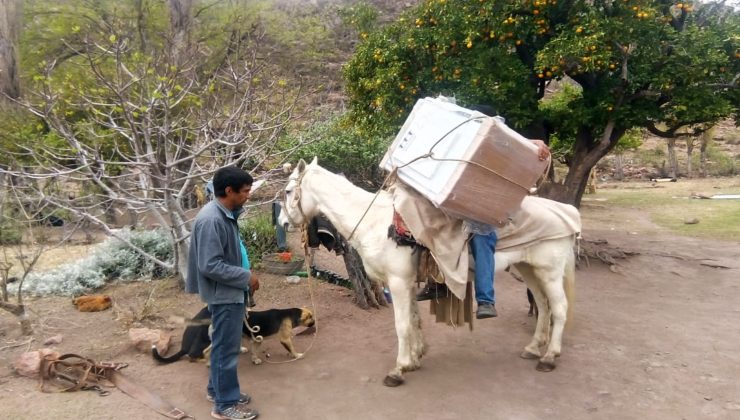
(196, 340)
(92, 303)
(277, 321)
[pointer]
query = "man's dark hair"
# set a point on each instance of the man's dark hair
(230, 176)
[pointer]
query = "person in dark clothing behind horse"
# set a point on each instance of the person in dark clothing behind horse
(218, 270)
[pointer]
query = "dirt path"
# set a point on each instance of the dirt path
(656, 340)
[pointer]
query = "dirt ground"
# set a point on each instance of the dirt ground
(656, 339)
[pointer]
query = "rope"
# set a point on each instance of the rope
(430, 155)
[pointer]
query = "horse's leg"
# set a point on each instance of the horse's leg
(410, 344)
(555, 292)
(539, 339)
(418, 345)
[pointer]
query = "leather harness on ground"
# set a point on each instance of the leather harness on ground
(72, 372)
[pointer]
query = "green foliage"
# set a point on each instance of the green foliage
(360, 16)
(719, 163)
(258, 233)
(10, 232)
(567, 106)
(636, 62)
(631, 140)
(119, 261)
(343, 147)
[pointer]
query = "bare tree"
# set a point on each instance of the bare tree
(145, 130)
(27, 221)
(10, 23)
(180, 20)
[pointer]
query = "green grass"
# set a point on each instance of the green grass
(669, 206)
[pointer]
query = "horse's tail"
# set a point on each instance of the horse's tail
(570, 287)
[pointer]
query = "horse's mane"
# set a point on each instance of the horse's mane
(349, 201)
(340, 183)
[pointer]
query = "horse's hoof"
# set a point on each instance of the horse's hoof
(545, 366)
(529, 355)
(392, 381)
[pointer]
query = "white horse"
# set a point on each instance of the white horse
(547, 266)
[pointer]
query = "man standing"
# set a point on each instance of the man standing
(218, 270)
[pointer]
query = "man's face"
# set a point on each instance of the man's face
(238, 198)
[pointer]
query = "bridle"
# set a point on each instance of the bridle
(297, 197)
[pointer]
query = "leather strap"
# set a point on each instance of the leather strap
(72, 372)
(147, 397)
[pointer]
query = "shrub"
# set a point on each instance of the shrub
(342, 147)
(110, 260)
(258, 233)
(10, 233)
(719, 163)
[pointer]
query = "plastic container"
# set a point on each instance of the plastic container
(293, 279)
(273, 264)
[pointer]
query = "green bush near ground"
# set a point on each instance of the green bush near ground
(258, 233)
(10, 233)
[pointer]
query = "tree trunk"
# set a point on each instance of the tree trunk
(10, 24)
(180, 19)
(140, 22)
(586, 154)
(672, 159)
(20, 312)
(689, 154)
(706, 138)
(619, 167)
(180, 229)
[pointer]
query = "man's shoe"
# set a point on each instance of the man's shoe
(486, 310)
(243, 398)
(433, 290)
(234, 413)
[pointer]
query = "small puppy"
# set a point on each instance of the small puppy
(196, 339)
(280, 322)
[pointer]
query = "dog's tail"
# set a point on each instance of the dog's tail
(175, 357)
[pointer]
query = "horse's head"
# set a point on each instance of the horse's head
(299, 206)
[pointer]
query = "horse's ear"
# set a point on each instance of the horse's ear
(315, 160)
(301, 166)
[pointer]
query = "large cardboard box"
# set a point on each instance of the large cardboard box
(470, 165)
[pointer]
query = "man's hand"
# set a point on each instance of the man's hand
(254, 284)
(543, 152)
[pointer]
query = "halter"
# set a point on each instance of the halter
(297, 198)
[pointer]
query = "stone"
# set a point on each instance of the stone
(57, 339)
(144, 338)
(29, 363)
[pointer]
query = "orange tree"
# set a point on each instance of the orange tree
(635, 63)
